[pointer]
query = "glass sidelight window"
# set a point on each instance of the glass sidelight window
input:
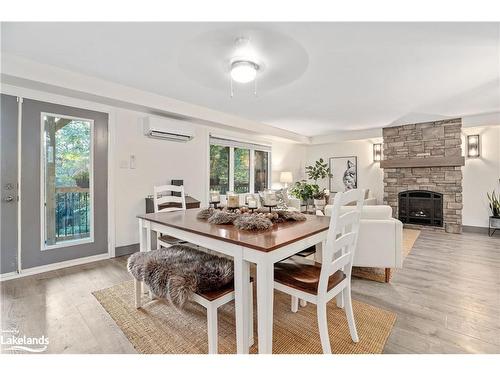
(67, 180)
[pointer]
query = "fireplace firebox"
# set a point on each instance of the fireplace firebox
(421, 207)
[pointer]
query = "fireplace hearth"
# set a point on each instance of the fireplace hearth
(421, 207)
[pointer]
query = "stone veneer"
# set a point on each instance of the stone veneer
(424, 140)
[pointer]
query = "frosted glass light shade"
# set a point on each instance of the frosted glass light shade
(243, 71)
(473, 146)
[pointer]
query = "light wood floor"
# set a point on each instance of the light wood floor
(447, 298)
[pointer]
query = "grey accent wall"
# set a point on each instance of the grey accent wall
(8, 175)
(32, 255)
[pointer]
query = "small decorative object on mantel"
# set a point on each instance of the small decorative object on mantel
(233, 200)
(214, 197)
(243, 219)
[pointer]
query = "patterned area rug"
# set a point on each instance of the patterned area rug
(378, 274)
(159, 328)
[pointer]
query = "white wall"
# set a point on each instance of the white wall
(481, 175)
(370, 175)
(157, 162)
(288, 157)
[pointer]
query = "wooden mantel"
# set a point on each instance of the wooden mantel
(433, 161)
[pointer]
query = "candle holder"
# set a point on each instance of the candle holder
(270, 206)
(233, 200)
(214, 198)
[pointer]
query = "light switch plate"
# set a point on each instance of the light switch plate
(132, 161)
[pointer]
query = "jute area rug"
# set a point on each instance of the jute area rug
(158, 327)
(378, 274)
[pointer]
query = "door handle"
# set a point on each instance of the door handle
(8, 198)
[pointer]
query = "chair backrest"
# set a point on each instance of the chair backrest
(342, 237)
(162, 195)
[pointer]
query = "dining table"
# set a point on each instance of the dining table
(262, 248)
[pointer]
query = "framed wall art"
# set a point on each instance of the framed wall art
(344, 173)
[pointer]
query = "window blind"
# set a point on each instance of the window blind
(238, 144)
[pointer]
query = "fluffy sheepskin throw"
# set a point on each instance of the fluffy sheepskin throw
(205, 213)
(291, 216)
(179, 271)
(222, 217)
(252, 222)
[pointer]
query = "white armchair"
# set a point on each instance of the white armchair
(380, 242)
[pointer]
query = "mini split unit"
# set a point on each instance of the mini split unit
(168, 129)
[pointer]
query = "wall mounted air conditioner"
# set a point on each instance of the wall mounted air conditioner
(168, 129)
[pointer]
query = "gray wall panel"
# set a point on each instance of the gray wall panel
(32, 255)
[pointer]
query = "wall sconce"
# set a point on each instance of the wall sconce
(473, 146)
(377, 152)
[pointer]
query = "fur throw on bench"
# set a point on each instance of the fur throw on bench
(179, 271)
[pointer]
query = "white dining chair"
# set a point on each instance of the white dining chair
(162, 196)
(318, 283)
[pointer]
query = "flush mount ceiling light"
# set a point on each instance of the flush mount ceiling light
(244, 71)
(243, 68)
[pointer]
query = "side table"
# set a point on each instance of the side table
(493, 225)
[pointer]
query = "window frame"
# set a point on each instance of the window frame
(43, 214)
(252, 147)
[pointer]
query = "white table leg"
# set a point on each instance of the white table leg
(142, 244)
(241, 300)
(265, 294)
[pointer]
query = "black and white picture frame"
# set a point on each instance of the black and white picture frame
(344, 173)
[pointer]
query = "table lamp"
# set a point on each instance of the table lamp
(286, 178)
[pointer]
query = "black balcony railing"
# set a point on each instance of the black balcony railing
(72, 219)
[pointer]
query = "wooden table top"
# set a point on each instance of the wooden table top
(280, 235)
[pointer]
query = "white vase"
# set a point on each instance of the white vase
(319, 203)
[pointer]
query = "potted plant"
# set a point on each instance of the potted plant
(494, 204)
(319, 199)
(82, 179)
(304, 191)
(319, 171)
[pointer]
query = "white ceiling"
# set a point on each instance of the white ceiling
(317, 78)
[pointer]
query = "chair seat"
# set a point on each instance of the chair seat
(303, 274)
(170, 240)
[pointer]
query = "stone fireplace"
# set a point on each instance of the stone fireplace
(423, 173)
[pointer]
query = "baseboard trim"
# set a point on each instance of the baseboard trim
(126, 250)
(52, 267)
(473, 229)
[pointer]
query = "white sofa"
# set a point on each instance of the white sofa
(380, 242)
